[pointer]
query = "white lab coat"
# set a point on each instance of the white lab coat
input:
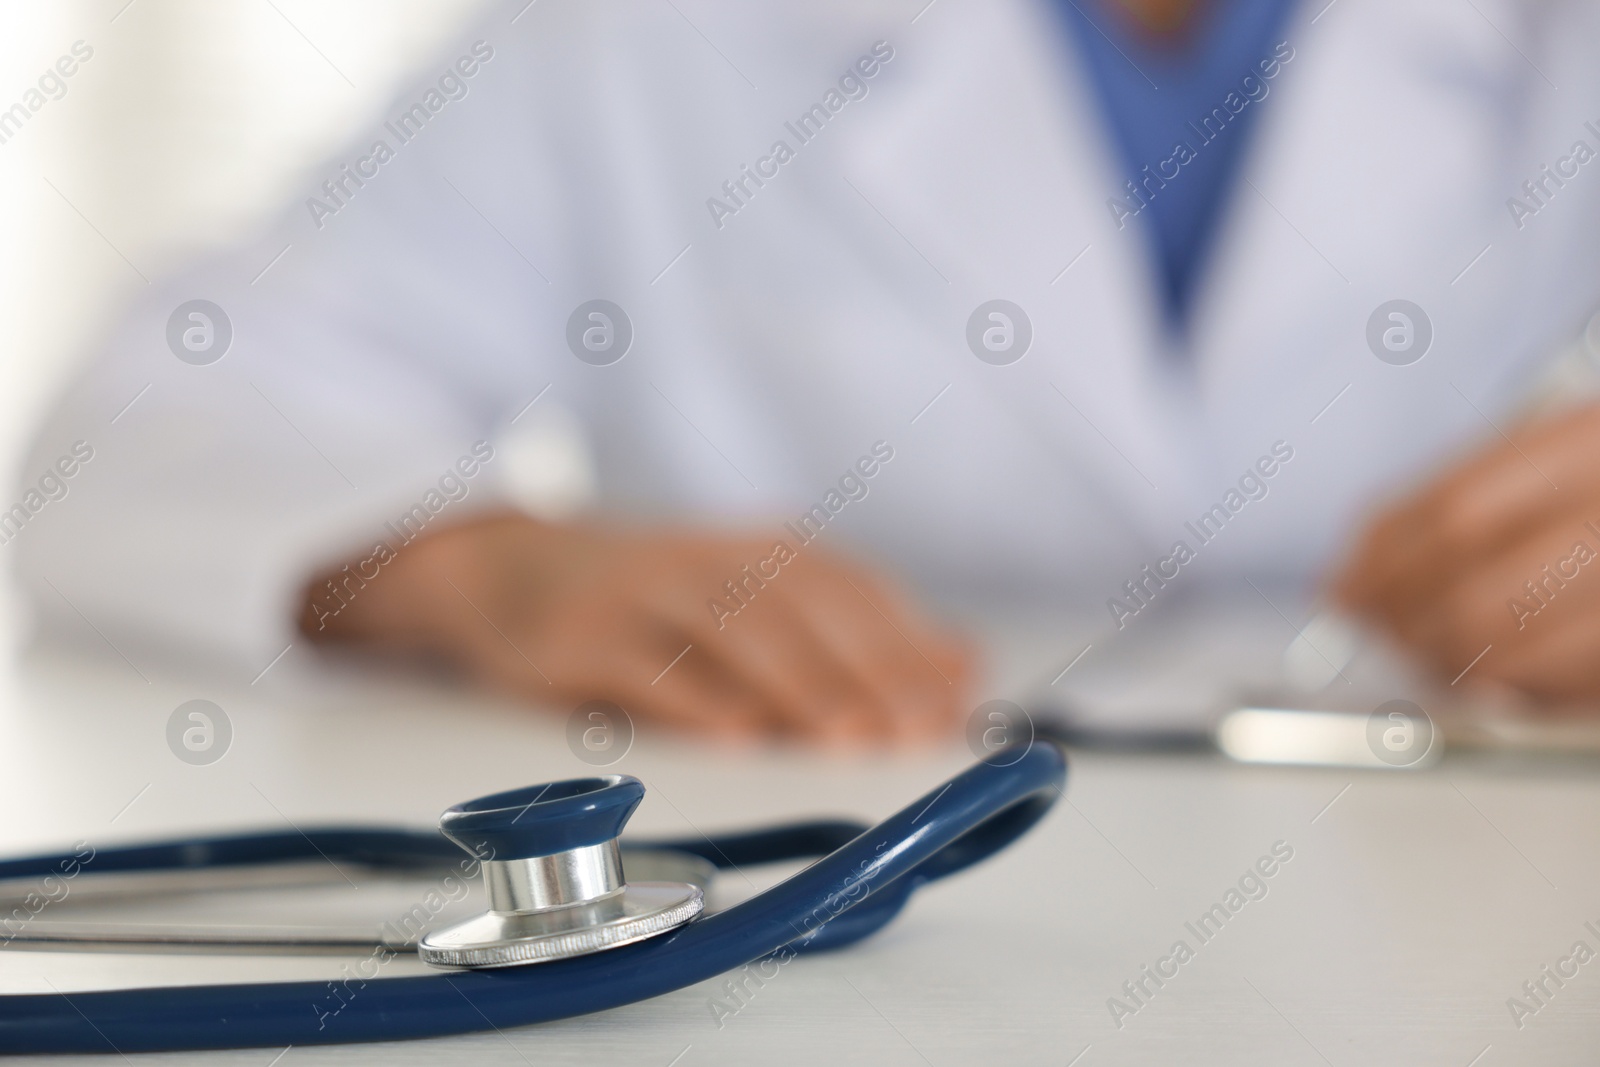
(774, 350)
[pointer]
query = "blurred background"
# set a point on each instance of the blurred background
(190, 122)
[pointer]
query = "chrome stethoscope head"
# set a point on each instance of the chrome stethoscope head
(554, 875)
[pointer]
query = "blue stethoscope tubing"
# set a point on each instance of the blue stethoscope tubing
(847, 894)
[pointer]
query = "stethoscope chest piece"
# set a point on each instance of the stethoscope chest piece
(554, 874)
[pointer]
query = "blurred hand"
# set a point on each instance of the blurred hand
(558, 615)
(1497, 554)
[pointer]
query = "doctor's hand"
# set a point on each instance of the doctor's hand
(1499, 557)
(558, 615)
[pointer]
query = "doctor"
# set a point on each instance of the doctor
(981, 300)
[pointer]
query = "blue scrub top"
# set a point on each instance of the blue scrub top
(1180, 112)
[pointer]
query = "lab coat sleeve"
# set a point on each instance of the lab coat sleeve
(378, 331)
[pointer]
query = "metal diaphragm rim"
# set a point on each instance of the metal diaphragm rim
(502, 939)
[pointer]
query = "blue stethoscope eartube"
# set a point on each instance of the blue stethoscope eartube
(553, 868)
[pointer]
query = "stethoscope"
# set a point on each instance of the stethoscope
(565, 932)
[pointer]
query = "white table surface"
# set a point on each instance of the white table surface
(1415, 904)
